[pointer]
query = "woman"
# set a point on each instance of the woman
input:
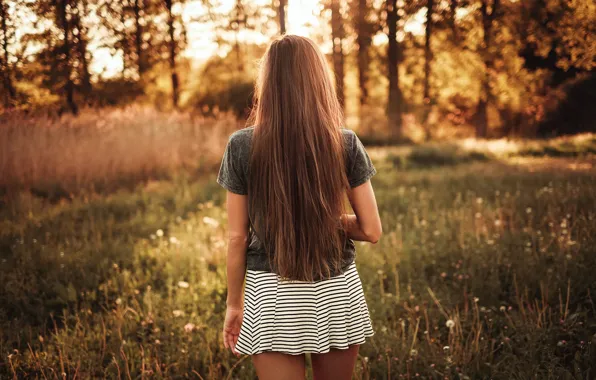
(287, 177)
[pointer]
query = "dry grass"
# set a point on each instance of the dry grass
(102, 149)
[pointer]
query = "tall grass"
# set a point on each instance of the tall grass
(485, 270)
(99, 149)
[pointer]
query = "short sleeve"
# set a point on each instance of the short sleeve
(231, 176)
(361, 166)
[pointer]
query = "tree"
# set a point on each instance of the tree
(488, 18)
(62, 21)
(79, 11)
(427, 64)
(173, 47)
(394, 99)
(7, 33)
(337, 37)
(364, 32)
(281, 12)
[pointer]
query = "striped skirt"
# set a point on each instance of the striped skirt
(296, 317)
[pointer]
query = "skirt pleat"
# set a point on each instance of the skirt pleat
(296, 317)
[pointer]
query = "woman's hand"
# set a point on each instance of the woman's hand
(231, 328)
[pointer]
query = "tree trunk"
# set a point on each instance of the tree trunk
(281, 11)
(139, 38)
(363, 39)
(427, 68)
(452, 22)
(69, 85)
(394, 98)
(485, 96)
(82, 51)
(172, 58)
(10, 92)
(337, 36)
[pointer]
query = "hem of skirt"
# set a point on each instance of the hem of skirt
(306, 351)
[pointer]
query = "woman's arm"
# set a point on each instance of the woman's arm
(365, 225)
(237, 243)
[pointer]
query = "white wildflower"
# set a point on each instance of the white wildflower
(189, 327)
(210, 222)
(450, 323)
(178, 313)
(159, 232)
(183, 284)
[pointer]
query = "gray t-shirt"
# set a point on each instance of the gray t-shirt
(234, 173)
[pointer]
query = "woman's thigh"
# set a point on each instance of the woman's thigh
(336, 364)
(275, 365)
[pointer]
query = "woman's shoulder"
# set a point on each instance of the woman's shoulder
(242, 136)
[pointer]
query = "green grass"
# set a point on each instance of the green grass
(435, 154)
(503, 255)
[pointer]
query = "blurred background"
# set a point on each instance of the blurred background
(478, 114)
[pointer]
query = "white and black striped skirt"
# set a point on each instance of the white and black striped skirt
(296, 317)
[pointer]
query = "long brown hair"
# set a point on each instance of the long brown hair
(297, 167)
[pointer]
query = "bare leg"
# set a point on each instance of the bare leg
(275, 365)
(336, 364)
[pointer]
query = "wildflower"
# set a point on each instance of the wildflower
(178, 313)
(498, 222)
(443, 274)
(118, 301)
(479, 201)
(436, 233)
(157, 341)
(450, 323)
(529, 210)
(189, 327)
(159, 232)
(502, 308)
(183, 284)
(561, 343)
(152, 236)
(478, 215)
(476, 299)
(446, 348)
(210, 222)
(413, 352)
(174, 240)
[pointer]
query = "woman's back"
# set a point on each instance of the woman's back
(234, 175)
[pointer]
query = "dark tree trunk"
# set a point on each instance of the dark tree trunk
(395, 96)
(68, 85)
(139, 38)
(281, 12)
(337, 36)
(452, 22)
(427, 65)
(363, 39)
(172, 58)
(10, 92)
(485, 96)
(82, 51)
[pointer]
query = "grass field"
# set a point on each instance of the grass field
(486, 269)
